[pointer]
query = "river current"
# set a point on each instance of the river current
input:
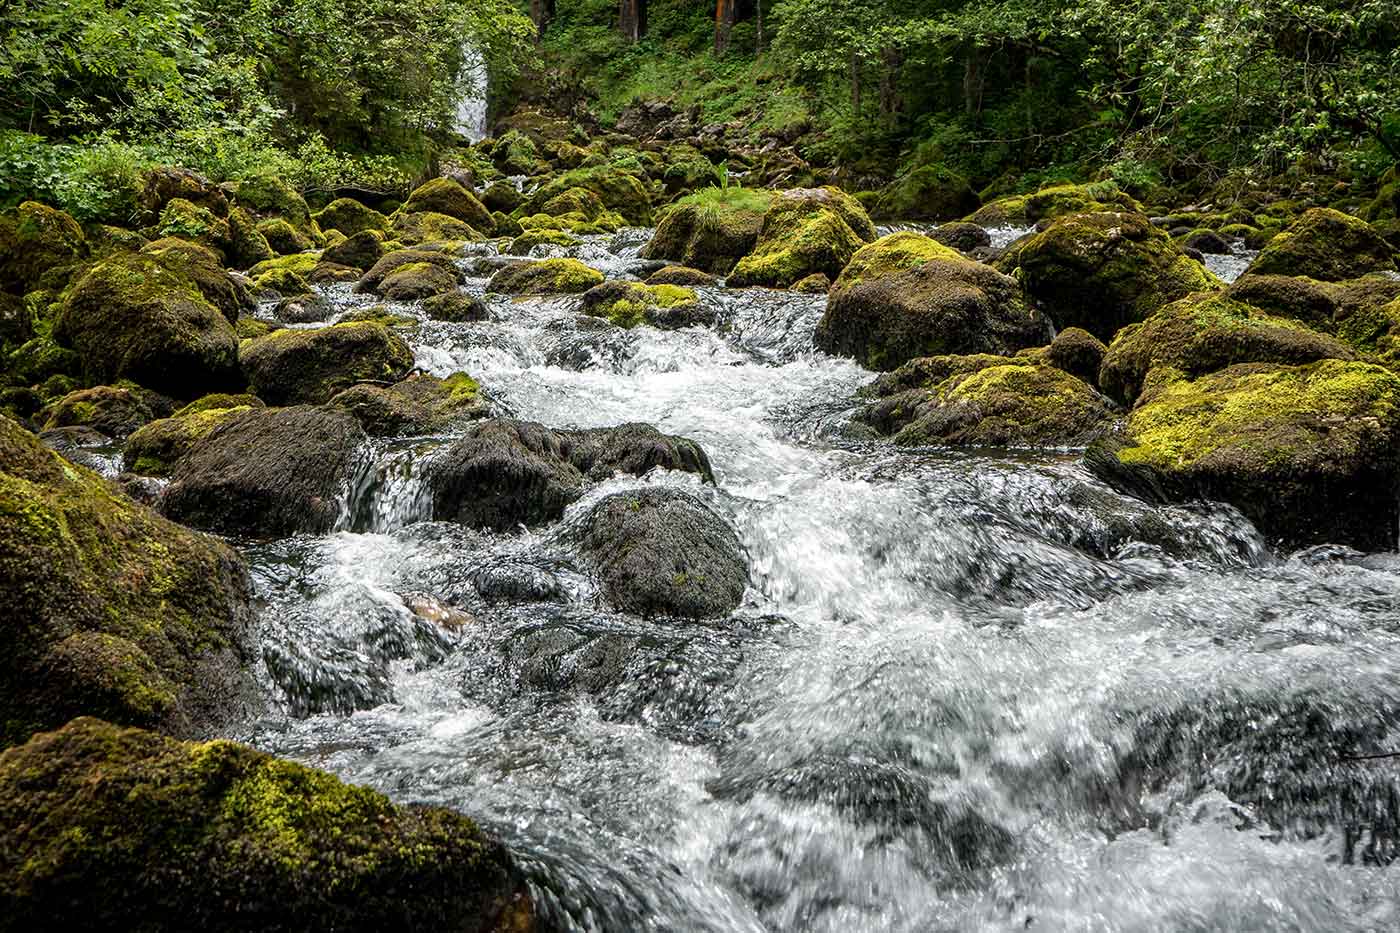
(966, 690)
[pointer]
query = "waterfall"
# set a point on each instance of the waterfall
(471, 109)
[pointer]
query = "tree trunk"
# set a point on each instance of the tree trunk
(758, 13)
(726, 15)
(632, 18)
(972, 82)
(541, 11)
(892, 60)
(855, 83)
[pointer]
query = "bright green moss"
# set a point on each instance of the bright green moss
(894, 253)
(350, 217)
(805, 232)
(527, 241)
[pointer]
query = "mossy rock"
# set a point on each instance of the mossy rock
(927, 192)
(1326, 245)
(806, 231)
(524, 244)
(1056, 201)
(246, 245)
(39, 359)
(1204, 333)
(1307, 453)
(189, 221)
(201, 266)
(985, 401)
(417, 280)
(132, 316)
(545, 277)
(427, 227)
(350, 217)
(291, 367)
(1077, 352)
(269, 196)
(420, 404)
(1356, 311)
(906, 296)
(40, 247)
(962, 236)
(218, 400)
(110, 609)
(628, 304)
(711, 230)
(445, 196)
(1104, 271)
(516, 154)
(283, 238)
(619, 190)
(123, 829)
(507, 226)
(818, 283)
(683, 276)
(162, 185)
(574, 201)
(156, 447)
(456, 307)
(501, 196)
(360, 250)
(691, 174)
(16, 321)
(372, 280)
(115, 411)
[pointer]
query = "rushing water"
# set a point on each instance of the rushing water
(471, 109)
(964, 692)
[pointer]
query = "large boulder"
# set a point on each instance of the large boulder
(1327, 245)
(109, 609)
(269, 197)
(292, 366)
(628, 304)
(619, 190)
(1206, 332)
(371, 281)
(360, 250)
(662, 552)
(158, 446)
(419, 227)
(115, 411)
(1104, 271)
(445, 196)
(1310, 453)
(420, 404)
(417, 280)
(1055, 201)
(201, 266)
(806, 231)
(123, 829)
(906, 296)
(546, 277)
(350, 217)
(137, 316)
(39, 247)
(506, 473)
(268, 472)
(710, 230)
(985, 401)
(927, 192)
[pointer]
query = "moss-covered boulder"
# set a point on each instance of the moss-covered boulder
(927, 192)
(628, 304)
(662, 552)
(1055, 201)
(445, 196)
(501, 196)
(683, 276)
(350, 217)
(189, 221)
(360, 250)
(134, 317)
(620, 190)
(962, 236)
(269, 472)
(710, 230)
(40, 247)
(1326, 245)
(156, 447)
(456, 307)
(372, 280)
(293, 367)
(420, 404)
(419, 227)
(505, 473)
(525, 244)
(246, 245)
(164, 184)
(283, 238)
(546, 277)
(985, 401)
(416, 280)
(123, 829)
(906, 296)
(115, 411)
(1206, 332)
(1308, 453)
(267, 196)
(201, 266)
(515, 153)
(109, 609)
(1077, 352)
(806, 231)
(1104, 271)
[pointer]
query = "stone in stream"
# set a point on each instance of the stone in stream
(683, 276)
(805, 231)
(350, 217)
(420, 404)
(116, 411)
(506, 473)
(961, 236)
(1103, 271)
(628, 304)
(1056, 201)
(358, 250)
(546, 277)
(710, 235)
(662, 552)
(1327, 245)
(291, 366)
(907, 296)
(372, 280)
(157, 447)
(986, 401)
(1077, 352)
(110, 609)
(1309, 454)
(417, 280)
(456, 307)
(122, 829)
(268, 472)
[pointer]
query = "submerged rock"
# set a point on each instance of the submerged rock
(122, 829)
(1308, 453)
(906, 296)
(1327, 245)
(805, 231)
(268, 473)
(291, 367)
(505, 473)
(661, 552)
(109, 609)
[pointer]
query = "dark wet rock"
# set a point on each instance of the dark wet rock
(156, 448)
(681, 275)
(359, 250)
(268, 473)
(1326, 245)
(906, 296)
(1308, 453)
(546, 277)
(290, 367)
(420, 404)
(417, 280)
(311, 308)
(815, 284)
(456, 307)
(350, 217)
(115, 411)
(1206, 241)
(662, 552)
(1077, 352)
(711, 235)
(500, 196)
(123, 829)
(1104, 271)
(985, 401)
(110, 609)
(805, 231)
(961, 236)
(506, 581)
(372, 280)
(506, 473)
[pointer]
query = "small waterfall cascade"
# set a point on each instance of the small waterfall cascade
(471, 108)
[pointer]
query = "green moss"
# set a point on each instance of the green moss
(932, 192)
(296, 366)
(1327, 245)
(154, 449)
(192, 222)
(420, 404)
(350, 217)
(246, 245)
(523, 244)
(891, 254)
(545, 277)
(428, 227)
(283, 237)
(804, 232)
(39, 247)
(266, 195)
(619, 191)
